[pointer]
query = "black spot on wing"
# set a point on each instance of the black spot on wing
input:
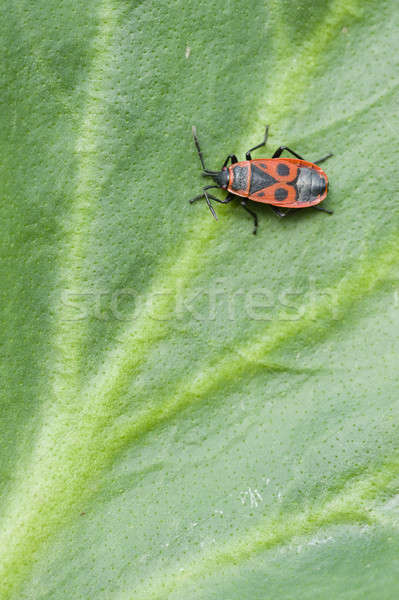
(283, 169)
(280, 194)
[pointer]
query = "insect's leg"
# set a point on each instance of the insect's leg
(317, 162)
(194, 130)
(282, 148)
(252, 213)
(329, 212)
(209, 204)
(231, 157)
(205, 195)
(277, 211)
(248, 154)
(209, 197)
(228, 199)
(197, 198)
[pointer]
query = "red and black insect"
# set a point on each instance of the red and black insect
(283, 183)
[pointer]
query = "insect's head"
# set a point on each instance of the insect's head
(221, 178)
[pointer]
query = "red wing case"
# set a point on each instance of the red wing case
(288, 182)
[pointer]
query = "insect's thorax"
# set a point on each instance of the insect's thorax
(240, 178)
(288, 182)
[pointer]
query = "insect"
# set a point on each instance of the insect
(283, 183)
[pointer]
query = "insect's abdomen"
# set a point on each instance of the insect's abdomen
(292, 183)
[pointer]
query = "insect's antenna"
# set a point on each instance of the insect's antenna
(211, 173)
(198, 147)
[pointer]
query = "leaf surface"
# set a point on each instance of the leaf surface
(190, 411)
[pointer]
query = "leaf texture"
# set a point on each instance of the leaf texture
(190, 411)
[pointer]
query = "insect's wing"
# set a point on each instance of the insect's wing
(290, 183)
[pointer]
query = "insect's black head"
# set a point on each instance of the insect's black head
(221, 178)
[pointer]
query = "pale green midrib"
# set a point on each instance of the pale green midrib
(355, 503)
(72, 337)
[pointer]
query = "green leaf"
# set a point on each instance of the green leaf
(188, 410)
